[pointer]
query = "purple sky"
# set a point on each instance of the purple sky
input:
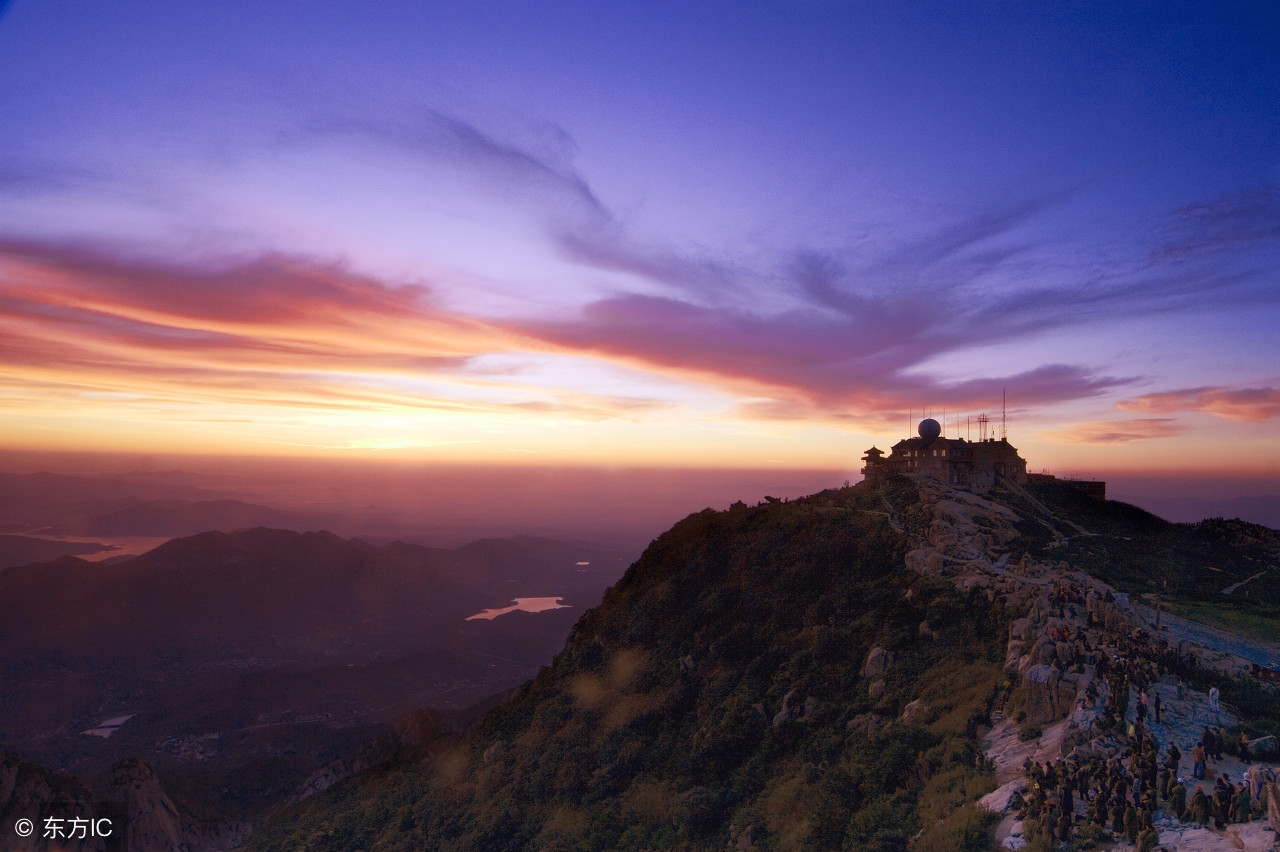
(658, 233)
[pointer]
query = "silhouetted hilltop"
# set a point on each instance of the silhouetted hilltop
(805, 674)
(761, 672)
(23, 550)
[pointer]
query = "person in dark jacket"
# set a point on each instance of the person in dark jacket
(1201, 807)
(1178, 798)
(1242, 807)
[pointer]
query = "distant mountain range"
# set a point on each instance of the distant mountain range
(25, 549)
(62, 505)
(270, 648)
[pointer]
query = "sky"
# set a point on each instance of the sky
(717, 234)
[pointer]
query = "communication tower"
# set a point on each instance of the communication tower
(1004, 427)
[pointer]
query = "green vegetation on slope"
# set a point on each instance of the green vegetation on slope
(1224, 572)
(715, 692)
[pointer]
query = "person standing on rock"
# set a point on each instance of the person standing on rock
(1200, 807)
(1214, 704)
(1178, 799)
(1222, 796)
(1243, 805)
(1198, 758)
(1131, 823)
(1157, 708)
(1047, 824)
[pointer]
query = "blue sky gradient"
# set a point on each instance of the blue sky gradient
(668, 233)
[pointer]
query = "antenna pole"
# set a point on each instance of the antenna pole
(1004, 428)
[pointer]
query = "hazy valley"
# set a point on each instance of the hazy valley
(250, 666)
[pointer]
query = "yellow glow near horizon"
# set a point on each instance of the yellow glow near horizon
(286, 359)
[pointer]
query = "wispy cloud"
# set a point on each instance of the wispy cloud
(1233, 222)
(1249, 405)
(827, 333)
(821, 334)
(1117, 431)
(505, 169)
(859, 360)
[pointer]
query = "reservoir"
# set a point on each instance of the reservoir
(524, 604)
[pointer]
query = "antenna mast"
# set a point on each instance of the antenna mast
(1004, 427)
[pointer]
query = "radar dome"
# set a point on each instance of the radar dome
(929, 428)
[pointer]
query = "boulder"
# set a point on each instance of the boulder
(877, 662)
(785, 713)
(1251, 836)
(876, 690)
(866, 723)
(916, 713)
(1011, 654)
(1042, 695)
(1044, 652)
(153, 820)
(918, 560)
(1264, 747)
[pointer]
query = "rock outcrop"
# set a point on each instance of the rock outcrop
(877, 663)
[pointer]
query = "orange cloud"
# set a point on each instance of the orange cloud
(273, 330)
(1248, 405)
(1116, 431)
(273, 353)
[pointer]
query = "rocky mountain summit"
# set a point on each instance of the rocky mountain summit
(1086, 657)
(857, 669)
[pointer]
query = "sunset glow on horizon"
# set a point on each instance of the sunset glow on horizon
(688, 235)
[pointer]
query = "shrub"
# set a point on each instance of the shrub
(1029, 733)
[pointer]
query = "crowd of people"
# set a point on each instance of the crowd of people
(1122, 793)
(1119, 790)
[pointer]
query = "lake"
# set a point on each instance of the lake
(523, 604)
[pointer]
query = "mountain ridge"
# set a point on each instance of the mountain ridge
(805, 674)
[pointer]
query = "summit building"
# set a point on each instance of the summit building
(972, 465)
